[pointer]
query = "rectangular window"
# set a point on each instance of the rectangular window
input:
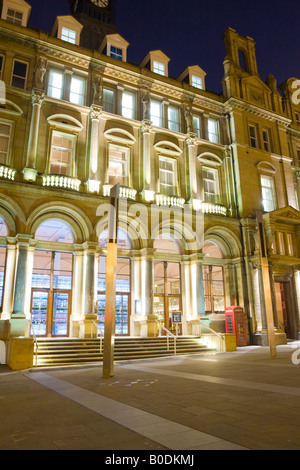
(297, 118)
(298, 157)
(118, 166)
(116, 53)
(19, 74)
(197, 126)
(62, 151)
(253, 137)
(68, 35)
(210, 185)
(14, 16)
(5, 134)
(56, 84)
(213, 131)
(158, 67)
(173, 119)
(167, 176)
(77, 90)
(266, 140)
(197, 82)
(128, 105)
(268, 193)
(108, 100)
(156, 114)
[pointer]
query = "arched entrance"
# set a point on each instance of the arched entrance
(123, 284)
(52, 280)
(167, 283)
(213, 278)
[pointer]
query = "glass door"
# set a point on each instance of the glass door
(122, 313)
(60, 313)
(40, 312)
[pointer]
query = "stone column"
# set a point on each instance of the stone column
(93, 182)
(30, 171)
(10, 269)
(148, 325)
(194, 302)
(88, 328)
(22, 291)
(77, 292)
(193, 189)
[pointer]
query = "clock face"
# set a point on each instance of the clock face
(101, 3)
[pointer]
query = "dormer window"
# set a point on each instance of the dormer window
(157, 62)
(67, 29)
(194, 76)
(15, 11)
(114, 46)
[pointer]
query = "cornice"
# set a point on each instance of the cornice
(234, 103)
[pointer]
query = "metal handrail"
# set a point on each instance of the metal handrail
(168, 334)
(101, 335)
(35, 340)
(210, 329)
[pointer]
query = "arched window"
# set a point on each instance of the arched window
(3, 228)
(164, 244)
(54, 230)
(124, 242)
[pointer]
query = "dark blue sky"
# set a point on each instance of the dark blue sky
(190, 32)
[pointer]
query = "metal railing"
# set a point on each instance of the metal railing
(169, 334)
(101, 335)
(220, 337)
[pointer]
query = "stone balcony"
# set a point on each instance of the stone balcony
(64, 182)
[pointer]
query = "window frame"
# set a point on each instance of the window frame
(66, 85)
(78, 77)
(266, 142)
(273, 190)
(73, 138)
(17, 76)
(209, 197)
(217, 134)
(114, 54)
(105, 88)
(2, 56)
(10, 125)
(197, 82)
(159, 68)
(125, 164)
(19, 22)
(174, 172)
(66, 37)
(197, 130)
(177, 123)
(134, 101)
(161, 108)
(253, 139)
(297, 118)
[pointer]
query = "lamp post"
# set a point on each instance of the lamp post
(110, 299)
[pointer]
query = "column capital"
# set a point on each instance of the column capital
(37, 97)
(95, 112)
(90, 247)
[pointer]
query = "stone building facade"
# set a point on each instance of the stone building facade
(193, 166)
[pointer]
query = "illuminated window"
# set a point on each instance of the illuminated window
(159, 67)
(118, 166)
(56, 82)
(174, 118)
(5, 136)
(57, 85)
(19, 74)
(68, 35)
(108, 100)
(128, 105)
(268, 193)
(62, 151)
(156, 113)
(77, 90)
(213, 131)
(197, 126)
(210, 184)
(167, 176)
(213, 280)
(197, 82)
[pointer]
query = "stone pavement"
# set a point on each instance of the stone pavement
(242, 400)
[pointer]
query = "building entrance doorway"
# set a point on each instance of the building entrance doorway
(167, 293)
(50, 312)
(51, 293)
(122, 313)
(285, 308)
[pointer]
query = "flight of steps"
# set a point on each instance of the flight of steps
(68, 351)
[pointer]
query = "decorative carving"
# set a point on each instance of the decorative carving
(37, 97)
(188, 120)
(39, 74)
(146, 106)
(98, 91)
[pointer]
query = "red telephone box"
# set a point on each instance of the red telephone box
(235, 323)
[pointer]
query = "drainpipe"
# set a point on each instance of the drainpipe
(244, 270)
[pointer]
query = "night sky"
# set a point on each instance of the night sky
(190, 32)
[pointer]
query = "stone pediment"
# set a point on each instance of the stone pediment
(256, 91)
(287, 214)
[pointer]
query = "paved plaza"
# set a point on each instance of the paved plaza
(242, 400)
